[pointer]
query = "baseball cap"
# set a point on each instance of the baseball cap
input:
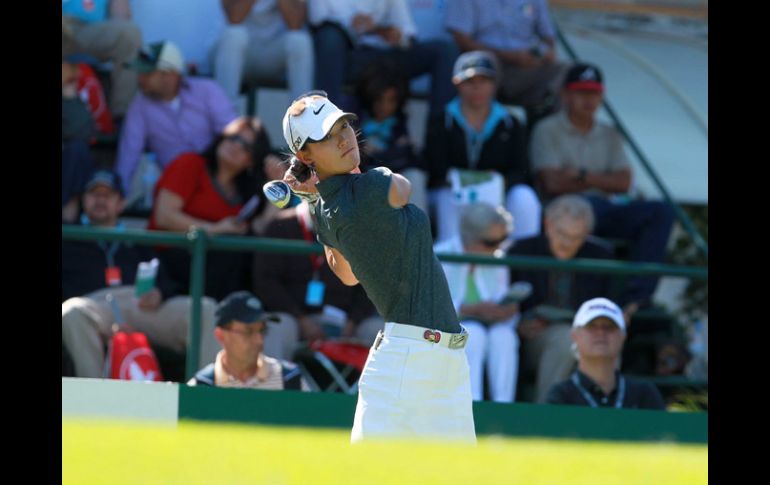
(244, 307)
(584, 77)
(598, 307)
(158, 56)
(107, 178)
(314, 122)
(474, 63)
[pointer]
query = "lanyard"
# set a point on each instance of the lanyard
(109, 253)
(316, 260)
(591, 400)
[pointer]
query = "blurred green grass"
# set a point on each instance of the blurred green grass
(114, 452)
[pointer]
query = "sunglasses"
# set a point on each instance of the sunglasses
(244, 143)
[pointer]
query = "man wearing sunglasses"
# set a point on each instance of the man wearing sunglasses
(478, 293)
(241, 326)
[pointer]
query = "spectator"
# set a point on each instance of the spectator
(305, 293)
(173, 114)
(208, 191)
(264, 40)
(93, 269)
(522, 37)
(475, 133)
(544, 325)
(574, 153)
(477, 293)
(382, 92)
(77, 129)
(349, 34)
(241, 329)
(599, 331)
(103, 29)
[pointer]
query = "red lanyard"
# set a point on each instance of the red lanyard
(315, 259)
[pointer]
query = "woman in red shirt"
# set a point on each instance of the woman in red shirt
(207, 191)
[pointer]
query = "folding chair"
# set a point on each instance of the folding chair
(331, 365)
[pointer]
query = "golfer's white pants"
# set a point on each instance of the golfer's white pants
(412, 388)
(498, 346)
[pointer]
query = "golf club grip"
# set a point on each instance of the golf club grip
(299, 170)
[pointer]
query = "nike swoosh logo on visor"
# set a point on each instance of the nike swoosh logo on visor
(319, 109)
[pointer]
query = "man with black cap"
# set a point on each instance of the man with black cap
(572, 152)
(92, 270)
(241, 324)
(598, 332)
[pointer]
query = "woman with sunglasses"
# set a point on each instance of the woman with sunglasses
(416, 380)
(479, 296)
(208, 191)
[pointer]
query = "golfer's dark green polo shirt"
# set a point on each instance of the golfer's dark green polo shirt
(389, 250)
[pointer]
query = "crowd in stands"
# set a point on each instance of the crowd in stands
(555, 184)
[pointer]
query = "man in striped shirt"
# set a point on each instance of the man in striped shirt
(240, 328)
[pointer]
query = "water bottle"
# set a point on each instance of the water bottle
(150, 176)
(145, 276)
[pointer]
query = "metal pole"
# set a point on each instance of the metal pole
(197, 279)
(680, 214)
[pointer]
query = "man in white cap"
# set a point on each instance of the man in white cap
(171, 115)
(598, 332)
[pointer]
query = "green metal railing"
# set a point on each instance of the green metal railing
(199, 244)
(689, 227)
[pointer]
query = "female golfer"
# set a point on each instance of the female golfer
(416, 380)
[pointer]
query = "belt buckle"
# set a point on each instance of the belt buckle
(458, 340)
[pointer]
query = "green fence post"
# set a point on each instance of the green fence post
(197, 278)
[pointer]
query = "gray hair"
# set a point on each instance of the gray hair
(573, 207)
(477, 218)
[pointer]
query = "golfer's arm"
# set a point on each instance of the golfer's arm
(340, 266)
(399, 192)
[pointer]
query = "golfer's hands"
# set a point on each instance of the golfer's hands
(150, 301)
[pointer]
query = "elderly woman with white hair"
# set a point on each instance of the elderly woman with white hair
(478, 293)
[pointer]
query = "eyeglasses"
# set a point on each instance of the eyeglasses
(253, 330)
(236, 137)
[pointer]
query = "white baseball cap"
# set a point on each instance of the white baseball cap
(598, 307)
(159, 56)
(314, 123)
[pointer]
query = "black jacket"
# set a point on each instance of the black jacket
(581, 286)
(636, 395)
(84, 264)
(504, 151)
